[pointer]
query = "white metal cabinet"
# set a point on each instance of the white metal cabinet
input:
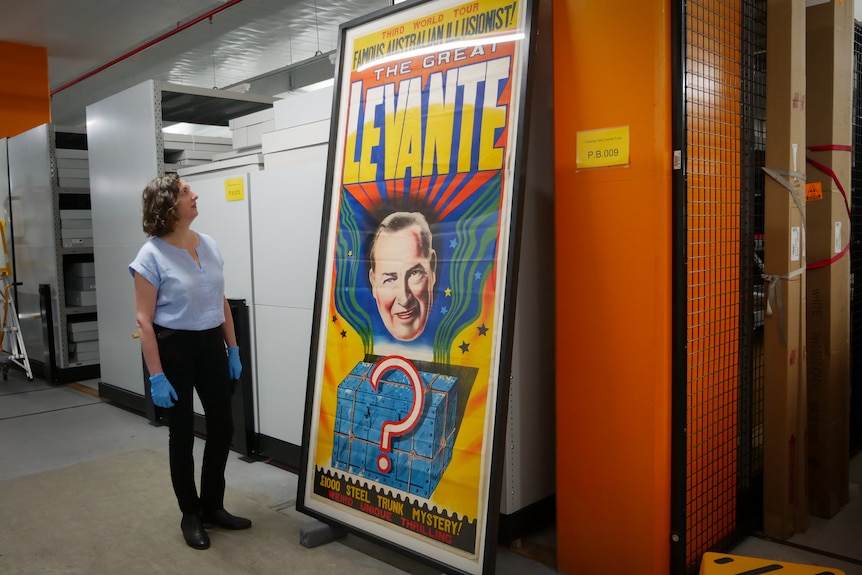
(124, 155)
(286, 213)
(228, 222)
(528, 465)
(32, 193)
(126, 151)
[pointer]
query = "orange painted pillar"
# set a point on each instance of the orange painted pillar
(25, 97)
(612, 69)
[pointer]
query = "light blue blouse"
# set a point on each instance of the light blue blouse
(189, 297)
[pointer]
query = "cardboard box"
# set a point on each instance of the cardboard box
(829, 467)
(82, 269)
(785, 501)
(76, 337)
(81, 326)
(84, 347)
(75, 215)
(72, 154)
(76, 224)
(80, 283)
(80, 297)
(258, 117)
(73, 173)
(80, 164)
(829, 37)
(74, 182)
(77, 242)
(84, 356)
(76, 233)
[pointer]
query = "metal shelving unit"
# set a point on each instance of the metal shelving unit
(41, 258)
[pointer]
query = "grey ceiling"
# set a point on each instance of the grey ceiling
(245, 40)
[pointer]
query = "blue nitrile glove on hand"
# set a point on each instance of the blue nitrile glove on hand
(233, 363)
(162, 391)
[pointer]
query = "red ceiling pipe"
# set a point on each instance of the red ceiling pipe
(152, 42)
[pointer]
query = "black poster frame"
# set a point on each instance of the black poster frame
(485, 556)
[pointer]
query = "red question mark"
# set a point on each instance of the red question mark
(395, 428)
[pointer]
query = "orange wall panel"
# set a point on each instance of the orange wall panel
(25, 99)
(612, 68)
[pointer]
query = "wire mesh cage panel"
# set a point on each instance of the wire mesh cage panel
(725, 135)
(856, 252)
(753, 292)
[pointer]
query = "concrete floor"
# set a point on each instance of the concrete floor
(44, 427)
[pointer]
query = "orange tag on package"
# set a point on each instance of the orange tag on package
(813, 191)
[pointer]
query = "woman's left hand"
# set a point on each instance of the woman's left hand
(233, 363)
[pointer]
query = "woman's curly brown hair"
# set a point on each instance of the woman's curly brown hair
(159, 205)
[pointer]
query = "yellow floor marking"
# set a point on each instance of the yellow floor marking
(721, 564)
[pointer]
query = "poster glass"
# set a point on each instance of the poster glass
(412, 291)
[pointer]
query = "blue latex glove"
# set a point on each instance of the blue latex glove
(162, 391)
(234, 365)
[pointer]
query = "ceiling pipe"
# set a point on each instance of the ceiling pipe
(152, 42)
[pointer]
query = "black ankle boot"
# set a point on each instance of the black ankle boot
(224, 519)
(193, 531)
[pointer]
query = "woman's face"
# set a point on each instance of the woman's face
(187, 207)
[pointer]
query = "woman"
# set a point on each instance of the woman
(184, 322)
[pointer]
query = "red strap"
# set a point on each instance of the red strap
(831, 174)
(830, 261)
(831, 148)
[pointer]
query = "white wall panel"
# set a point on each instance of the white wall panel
(283, 339)
(298, 137)
(124, 153)
(31, 182)
(286, 159)
(124, 143)
(528, 465)
(228, 223)
(298, 109)
(286, 214)
(286, 210)
(234, 167)
(119, 352)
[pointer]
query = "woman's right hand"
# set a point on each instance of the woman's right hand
(162, 391)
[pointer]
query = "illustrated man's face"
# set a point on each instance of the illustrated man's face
(402, 282)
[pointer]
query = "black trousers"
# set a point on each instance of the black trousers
(197, 360)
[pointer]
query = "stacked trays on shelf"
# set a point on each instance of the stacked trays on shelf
(76, 229)
(73, 170)
(83, 335)
(84, 341)
(183, 151)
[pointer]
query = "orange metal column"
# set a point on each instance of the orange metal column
(612, 68)
(25, 100)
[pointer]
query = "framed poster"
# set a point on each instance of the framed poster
(412, 334)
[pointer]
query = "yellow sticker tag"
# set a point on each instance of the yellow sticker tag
(603, 148)
(721, 564)
(813, 191)
(234, 189)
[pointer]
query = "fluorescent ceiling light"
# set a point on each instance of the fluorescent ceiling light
(198, 130)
